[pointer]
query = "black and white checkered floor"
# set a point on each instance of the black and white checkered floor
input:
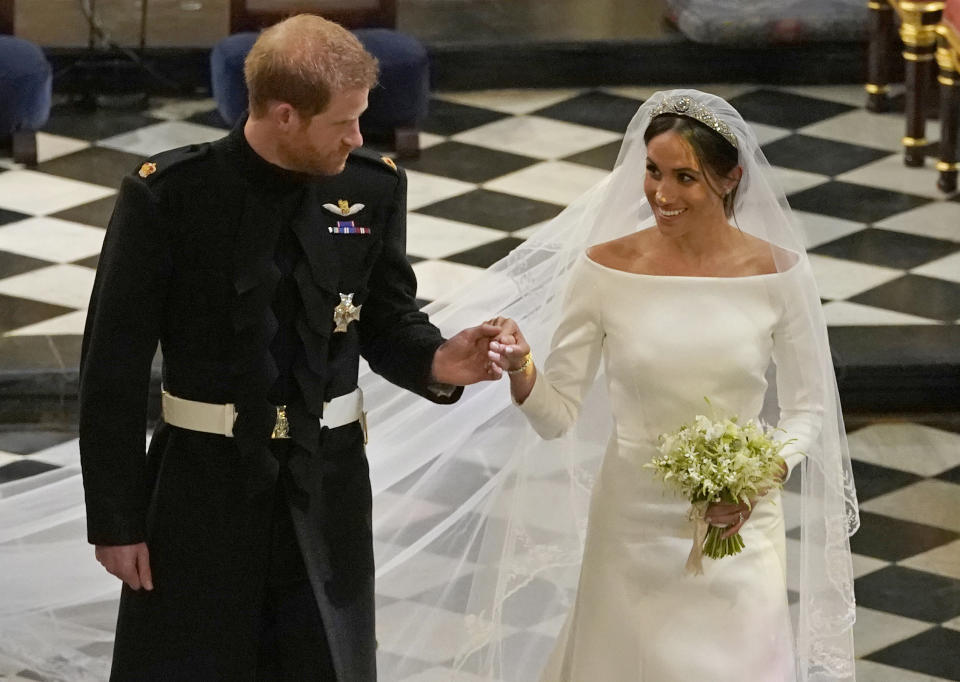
(885, 246)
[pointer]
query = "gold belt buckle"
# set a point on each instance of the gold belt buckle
(282, 427)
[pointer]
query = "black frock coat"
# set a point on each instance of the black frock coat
(188, 260)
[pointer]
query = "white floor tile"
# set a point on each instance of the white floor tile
(64, 454)
(424, 189)
(875, 630)
(558, 182)
(7, 458)
(66, 285)
(512, 101)
(953, 624)
(725, 90)
(890, 173)
(51, 239)
(819, 229)
(71, 323)
(160, 137)
(428, 140)
(910, 447)
(932, 502)
(41, 193)
(940, 220)
(538, 137)
(792, 181)
(767, 134)
(845, 314)
(862, 565)
(51, 146)
(944, 560)
(420, 573)
(838, 278)
(944, 268)
(393, 510)
(430, 237)
(852, 94)
(170, 109)
(440, 278)
(527, 232)
(881, 131)
(868, 671)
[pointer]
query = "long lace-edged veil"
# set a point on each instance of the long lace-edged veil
(478, 524)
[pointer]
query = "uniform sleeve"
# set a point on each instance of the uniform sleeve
(801, 377)
(122, 331)
(568, 373)
(396, 338)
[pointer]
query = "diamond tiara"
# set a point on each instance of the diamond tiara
(685, 106)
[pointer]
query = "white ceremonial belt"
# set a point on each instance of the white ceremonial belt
(218, 419)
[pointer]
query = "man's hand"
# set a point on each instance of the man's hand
(465, 358)
(130, 563)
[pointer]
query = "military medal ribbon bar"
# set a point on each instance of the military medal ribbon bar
(347, 227)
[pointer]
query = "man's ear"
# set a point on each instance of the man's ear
(284, 115)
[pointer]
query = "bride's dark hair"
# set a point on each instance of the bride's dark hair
(713, 151)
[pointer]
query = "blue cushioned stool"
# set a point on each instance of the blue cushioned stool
(26, 82)
(398, 104)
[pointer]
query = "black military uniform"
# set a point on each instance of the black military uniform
(236, 266)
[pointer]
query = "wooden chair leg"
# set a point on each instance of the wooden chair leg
(949, 80)
(918, 30)
(878, 59)
(407, 142)
(24, 144)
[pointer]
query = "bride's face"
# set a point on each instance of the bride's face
(682, 197)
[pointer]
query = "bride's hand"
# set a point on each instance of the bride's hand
(509, 349)
(731, 515)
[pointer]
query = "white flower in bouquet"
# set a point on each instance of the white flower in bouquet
(718, 461)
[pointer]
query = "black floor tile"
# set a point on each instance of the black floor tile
(594, 109)
(29, 442)
(937, 299)
(493, 209)
(8, 216)
(890, 539)
(28, 353)
(99, 165)
(449, 118)
(76, 120)
(888, 248)
(96, 213)
(22, 469)
(850, 201)
(19, 312)
(603, 157)
(15, 264)
(873, 480)
(210, 118)
(784, 109)
(934, 652)
(819, 155)
(90, 262)
(952, 475)
(907, 592)
(487, 254)
(468, 162)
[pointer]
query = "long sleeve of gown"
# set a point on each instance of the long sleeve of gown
(801, 379)
(575, 351)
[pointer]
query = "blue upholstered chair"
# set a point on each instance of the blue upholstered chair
(25, 91)
(398, 104)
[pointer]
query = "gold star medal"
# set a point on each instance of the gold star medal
(345, 313)
(147, 169)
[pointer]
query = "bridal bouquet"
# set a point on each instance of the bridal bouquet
(718, 461)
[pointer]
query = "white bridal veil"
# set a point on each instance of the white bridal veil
(479, 525)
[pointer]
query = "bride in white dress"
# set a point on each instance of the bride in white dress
(692, 307)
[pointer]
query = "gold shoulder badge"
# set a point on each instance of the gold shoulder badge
(387, 160)
(147, 169)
